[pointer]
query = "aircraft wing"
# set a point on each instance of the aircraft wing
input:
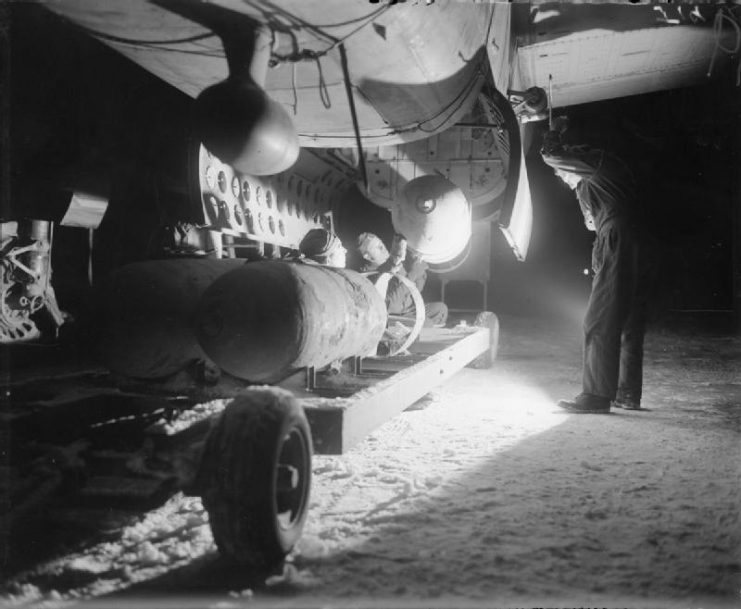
(595, 52)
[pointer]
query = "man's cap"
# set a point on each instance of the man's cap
(319, 243)
(366, 240)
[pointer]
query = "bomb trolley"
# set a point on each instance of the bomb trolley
(255, 471)
(246, 451)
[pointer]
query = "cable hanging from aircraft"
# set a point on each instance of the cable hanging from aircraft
(155, 44)
(456, 103)
(299, 55)
(276, 59)
(464, 92)
(305, 54)
(268, 9)
(353, 114)
(135, 41)
(726, 15)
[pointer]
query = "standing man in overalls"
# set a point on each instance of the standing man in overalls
(614, 325)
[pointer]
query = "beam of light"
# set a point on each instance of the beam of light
(495, 413)
(416, 460)
(569, 307)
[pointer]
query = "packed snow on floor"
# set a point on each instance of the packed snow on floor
(488, 494)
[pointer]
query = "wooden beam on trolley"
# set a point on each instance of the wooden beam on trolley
(340, 419)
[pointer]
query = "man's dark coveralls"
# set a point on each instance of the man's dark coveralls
(399, 301)
(614, 324)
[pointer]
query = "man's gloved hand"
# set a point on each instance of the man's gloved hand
(552, 137)
(398, 252)
(589, 221)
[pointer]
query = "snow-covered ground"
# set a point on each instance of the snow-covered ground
(488, 496)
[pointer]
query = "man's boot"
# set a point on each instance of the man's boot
(586, 403)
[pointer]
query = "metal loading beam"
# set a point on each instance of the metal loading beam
(338, 423)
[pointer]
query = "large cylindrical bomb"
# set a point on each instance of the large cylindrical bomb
(145, 326)
(266, 319)
(435, 217)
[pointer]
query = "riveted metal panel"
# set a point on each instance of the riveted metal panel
(278, 209)
(599, 64)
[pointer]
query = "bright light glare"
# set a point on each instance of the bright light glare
(513, 405)
(420, 460)
(520, 226)
(572, 309)
(527, 405)
(543, 15)
(431, 465)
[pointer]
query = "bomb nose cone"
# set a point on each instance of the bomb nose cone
(435, 217)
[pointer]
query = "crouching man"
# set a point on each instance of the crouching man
(375, 257)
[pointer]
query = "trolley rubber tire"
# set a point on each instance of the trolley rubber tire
(238, 476)
(490, 320)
